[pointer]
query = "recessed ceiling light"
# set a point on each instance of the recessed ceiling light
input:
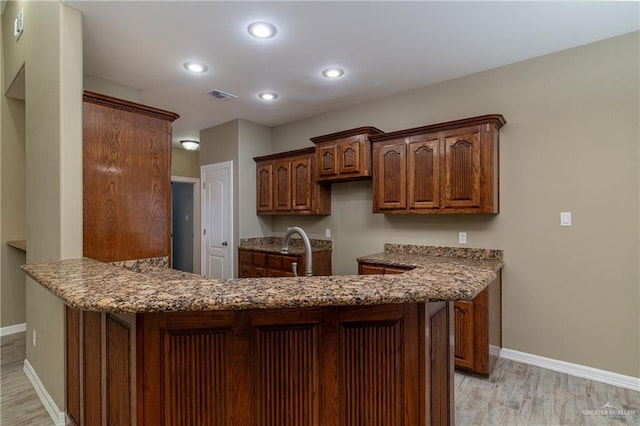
(196, 67)
(262, 29)
(268, 96)
(333, 72)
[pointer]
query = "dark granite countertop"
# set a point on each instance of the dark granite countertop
(90, 285)
(274, 245)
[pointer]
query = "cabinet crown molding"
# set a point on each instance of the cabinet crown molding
(109, 101)
(496, 119)
(286, 154)
(368, 130)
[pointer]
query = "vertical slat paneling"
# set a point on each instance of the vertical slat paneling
(194, 377)
(264, 190)
(282, 185)
(389, 182)
(424, 174)
(440, 370)
(118, 372)
(73, 385)
(370, 373)
(462, 184)
(286, 371)
(301, 183)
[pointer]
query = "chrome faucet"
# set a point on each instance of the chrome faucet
(307, 249)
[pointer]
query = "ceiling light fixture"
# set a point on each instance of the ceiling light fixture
(190, 145)
(195, 67)
(262, 29)
(268, 96)
(333, 72)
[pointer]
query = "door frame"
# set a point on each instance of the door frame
(197, 225)
(231, 241)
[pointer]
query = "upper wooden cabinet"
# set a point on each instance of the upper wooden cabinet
(449, 167)
(285, 185)
(345, 155)
(126, 179)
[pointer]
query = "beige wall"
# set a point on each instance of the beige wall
(185, 163)
(13, 212)
(570, 144)
(51, 50)
(239, 141)
(106, 87)
(254, 140)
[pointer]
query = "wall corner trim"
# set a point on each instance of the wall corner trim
(13, 329)
(57, 416)
(595, 374)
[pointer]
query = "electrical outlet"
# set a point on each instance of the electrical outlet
(34, 338)
(327, 233)
(462, 237)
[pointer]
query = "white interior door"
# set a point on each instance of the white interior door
(217, 220)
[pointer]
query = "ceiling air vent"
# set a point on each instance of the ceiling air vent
(219, 94)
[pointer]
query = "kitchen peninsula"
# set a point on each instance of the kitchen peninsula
(162, 347)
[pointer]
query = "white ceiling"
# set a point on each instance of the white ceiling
(384, 47)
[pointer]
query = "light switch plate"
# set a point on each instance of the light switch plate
(565, 218)
(462, 237)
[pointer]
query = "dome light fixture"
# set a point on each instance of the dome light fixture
(268, 96)
(333, 72)
(195, 67)
(190, 144)
(262, 30)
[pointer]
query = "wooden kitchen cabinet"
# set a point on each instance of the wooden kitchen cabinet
(285, 185)
(438, 169)
(478, 330)
(477, 323)
(257, 264)
(126, 179)
(344, 156)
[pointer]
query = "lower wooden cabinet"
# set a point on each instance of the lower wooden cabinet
(316, 366)
(477, 323)
(478, 330)
(256, 264)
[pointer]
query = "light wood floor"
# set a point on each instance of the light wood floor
(516, 394)
(19, 403)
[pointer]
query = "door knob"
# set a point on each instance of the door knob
(224, 243)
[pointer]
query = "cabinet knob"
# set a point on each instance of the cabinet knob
(224, 243)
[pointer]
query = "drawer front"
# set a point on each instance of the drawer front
(274, 261)
(259, 259)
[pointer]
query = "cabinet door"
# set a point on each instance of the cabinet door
(301, 180)
(423, 186)
(327, 159)
(264, 174)
(370, 269)
(282, 185)
(390, 177)
(462, 171)
(463, 334)
(349, 156)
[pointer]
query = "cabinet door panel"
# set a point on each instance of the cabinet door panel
(282, 185)
(463, 334)
(462, 171)
(390, 179)
(265, 187)
(349, 153)
(301, 178)
(327, 159)
(424, 174)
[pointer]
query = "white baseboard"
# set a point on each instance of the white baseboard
(595, 374)
(49, 404)
(13, 329)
